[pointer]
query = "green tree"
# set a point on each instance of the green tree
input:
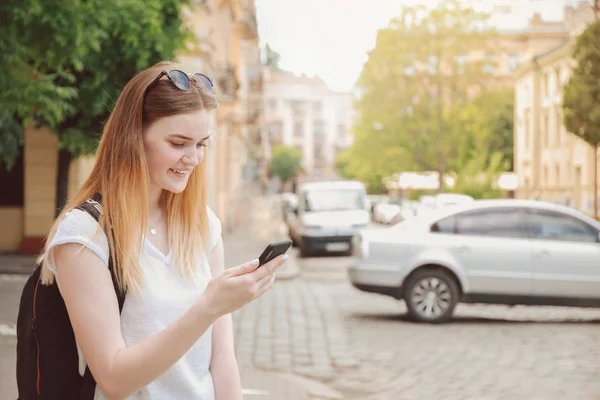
(484, 132)
(126, 37)
(42, 43)
(286, 162)
(485, 125)
(413, 82)
(582, 95)
(272, 58)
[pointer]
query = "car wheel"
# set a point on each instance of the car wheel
(431, 295)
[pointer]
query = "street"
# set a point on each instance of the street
(361, 345)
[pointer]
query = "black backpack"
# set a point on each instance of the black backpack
(47, 359)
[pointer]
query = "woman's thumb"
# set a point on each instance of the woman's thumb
(245, 268)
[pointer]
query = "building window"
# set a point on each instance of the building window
(546, 84)
(297, 108)
(546, 129)
(319, 153)
(558, 125)
(298, 129)
(318, 129)
(512, 62)
(317, 109)
(527, 130)
(275, 132)
(490, 63)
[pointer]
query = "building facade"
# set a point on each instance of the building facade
(226, 48)
(303, 112)
(551, 163)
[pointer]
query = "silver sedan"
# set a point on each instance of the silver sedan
(487, 251)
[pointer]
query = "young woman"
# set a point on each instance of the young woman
(173, 338)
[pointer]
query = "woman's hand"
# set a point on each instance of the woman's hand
(238, 286)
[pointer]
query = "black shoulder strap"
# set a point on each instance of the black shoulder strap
(93, 207)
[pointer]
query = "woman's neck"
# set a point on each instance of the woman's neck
(154, 205)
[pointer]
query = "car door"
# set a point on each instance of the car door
(493, 247)
(567, 255)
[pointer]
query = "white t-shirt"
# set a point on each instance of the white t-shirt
(165, 296)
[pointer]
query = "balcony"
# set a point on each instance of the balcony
(255, 79)
(226, 82)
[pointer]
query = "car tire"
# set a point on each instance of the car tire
(423, 306)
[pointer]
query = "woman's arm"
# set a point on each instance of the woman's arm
(120, 371)
(223, 365)
(87, 289)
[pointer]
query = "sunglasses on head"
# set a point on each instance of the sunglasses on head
(181, 80)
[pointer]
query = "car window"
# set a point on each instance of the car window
(444, 225)
(556, 226)
(505, 222)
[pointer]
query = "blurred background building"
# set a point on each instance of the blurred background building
(551, 163)
(302, 111)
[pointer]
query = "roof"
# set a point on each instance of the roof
(506, 203)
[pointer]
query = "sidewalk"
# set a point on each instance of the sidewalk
(261, 225)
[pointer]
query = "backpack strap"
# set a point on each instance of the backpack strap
(93, 207)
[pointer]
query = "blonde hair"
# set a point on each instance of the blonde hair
(120, 175)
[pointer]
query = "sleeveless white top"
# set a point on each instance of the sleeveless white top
(165, 296)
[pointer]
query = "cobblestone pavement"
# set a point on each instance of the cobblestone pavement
(487, 352)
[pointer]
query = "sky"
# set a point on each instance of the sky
(331, 38)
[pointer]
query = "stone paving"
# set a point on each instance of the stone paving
(487, 352)
(362, 346)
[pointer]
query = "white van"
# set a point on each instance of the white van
(328, 215)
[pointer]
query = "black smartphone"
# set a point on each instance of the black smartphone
(273, 250)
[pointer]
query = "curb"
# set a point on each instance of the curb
(316, 390)
(17, 264)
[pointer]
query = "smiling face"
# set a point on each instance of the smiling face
(174, 146)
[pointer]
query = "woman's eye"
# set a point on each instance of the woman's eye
(177, 144)
(202, 145)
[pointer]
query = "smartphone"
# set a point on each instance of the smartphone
(273, 250)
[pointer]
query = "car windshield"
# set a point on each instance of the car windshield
(334, 200)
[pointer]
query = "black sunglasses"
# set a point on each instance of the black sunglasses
(181, 80)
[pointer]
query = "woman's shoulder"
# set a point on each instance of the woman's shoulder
(78, 226)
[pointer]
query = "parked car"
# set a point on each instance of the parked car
(486, 251)
(328, 216)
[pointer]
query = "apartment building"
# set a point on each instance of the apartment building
(551, 163)
(301, 111)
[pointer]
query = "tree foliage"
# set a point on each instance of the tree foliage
(416, 79)
(65, 63)
(286, 162)
(582, 95)
(272, 58)
(582, 91)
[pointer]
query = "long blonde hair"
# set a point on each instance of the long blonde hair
(120, 175)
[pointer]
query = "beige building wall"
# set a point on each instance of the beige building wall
(40, 159)
(551, 163)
